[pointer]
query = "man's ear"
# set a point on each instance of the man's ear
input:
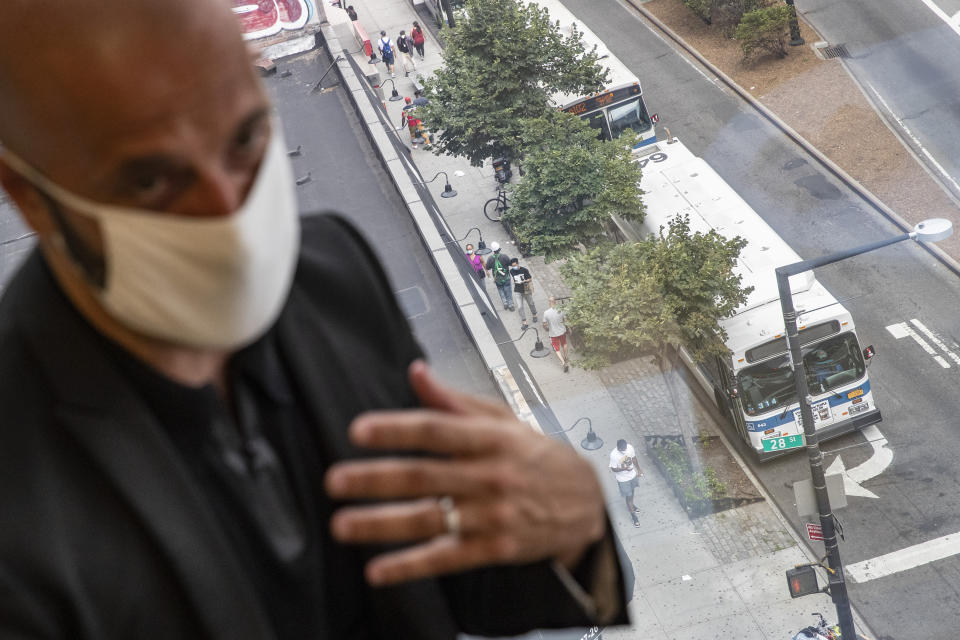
(28, 200)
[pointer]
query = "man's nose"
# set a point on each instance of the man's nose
(218, 192)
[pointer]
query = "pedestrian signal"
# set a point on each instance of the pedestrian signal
(802, 581)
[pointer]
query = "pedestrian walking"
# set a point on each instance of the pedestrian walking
(499, 267)
(476, 262)
(523, 287)
(352, 13)
(557, 330)
(416, 34)
(626, 468)
(386, 52)
(418, 99)
(405, 46)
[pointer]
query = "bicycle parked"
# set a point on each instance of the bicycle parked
(822, 631)
(494, 208)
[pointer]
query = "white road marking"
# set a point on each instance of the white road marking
(936, 165)
(935, 340)
(940, 13)
(902, 330)
(872, 467)
(904, 559)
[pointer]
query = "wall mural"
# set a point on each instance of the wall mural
(261, 18)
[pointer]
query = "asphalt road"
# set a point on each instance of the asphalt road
(904, 53)
(919, 494)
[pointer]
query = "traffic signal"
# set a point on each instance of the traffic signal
(802, 581)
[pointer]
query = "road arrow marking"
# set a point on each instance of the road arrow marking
(902, 330)
(874, 466)
(904, 559)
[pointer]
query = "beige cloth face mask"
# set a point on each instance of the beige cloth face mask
(216, 283)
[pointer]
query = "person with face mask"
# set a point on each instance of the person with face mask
(199, 386)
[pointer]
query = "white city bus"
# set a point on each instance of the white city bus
(755, 384)
(619, 105)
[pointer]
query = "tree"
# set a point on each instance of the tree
(573, 182)
(502, 62)
(670, 289)
(765, 30)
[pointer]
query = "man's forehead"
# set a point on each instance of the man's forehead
(133, 69)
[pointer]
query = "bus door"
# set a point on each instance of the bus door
(728, 384)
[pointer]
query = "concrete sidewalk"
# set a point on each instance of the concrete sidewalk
(719, 576)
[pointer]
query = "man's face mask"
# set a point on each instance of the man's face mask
(217, 282)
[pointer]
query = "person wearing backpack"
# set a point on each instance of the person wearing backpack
(499, 267)
(405, 46)
(416, 34)
(386, 52)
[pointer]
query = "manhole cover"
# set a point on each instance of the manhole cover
(835, 51)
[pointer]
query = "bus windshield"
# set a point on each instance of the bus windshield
(629, 115)
(830, 363)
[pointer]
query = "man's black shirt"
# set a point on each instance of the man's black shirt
(259, 469)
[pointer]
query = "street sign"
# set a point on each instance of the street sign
(806, 500)
(786, 442)
(814, 531)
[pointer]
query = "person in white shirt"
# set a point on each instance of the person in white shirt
(553, 323)
(626, 468)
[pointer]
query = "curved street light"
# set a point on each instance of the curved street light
(448, 191)
(482, 248)
(539, 351)
(591, 442)
(394, 94)
(931, 230)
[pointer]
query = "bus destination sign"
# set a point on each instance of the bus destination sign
(603, 99)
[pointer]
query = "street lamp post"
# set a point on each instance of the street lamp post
(448, 191)
(795, 38)
(926, 231)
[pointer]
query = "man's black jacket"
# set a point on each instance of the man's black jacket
(103, 532)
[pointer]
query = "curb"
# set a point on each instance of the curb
(892, 216)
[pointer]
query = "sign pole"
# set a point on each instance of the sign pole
(838, 585)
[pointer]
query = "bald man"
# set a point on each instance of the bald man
(198, 390)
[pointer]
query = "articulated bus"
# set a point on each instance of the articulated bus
(618, 106)
(754, 385)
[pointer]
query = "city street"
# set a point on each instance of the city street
(918, 494)
(902, 477)
(903, 54)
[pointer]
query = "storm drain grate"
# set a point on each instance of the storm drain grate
(835, 51)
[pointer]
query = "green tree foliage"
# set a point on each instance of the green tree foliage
(765, 30)
(572, 184)
(668, 289)
(726, 14)
(501, 65)
(700, 8)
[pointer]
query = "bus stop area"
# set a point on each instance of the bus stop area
(714, 576)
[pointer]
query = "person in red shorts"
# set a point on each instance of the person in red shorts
(553, 323)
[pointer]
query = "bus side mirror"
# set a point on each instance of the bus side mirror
(655, 118)
(869, 353)
(733, 393)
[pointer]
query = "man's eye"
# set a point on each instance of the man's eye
(248, 144)
(150, 187)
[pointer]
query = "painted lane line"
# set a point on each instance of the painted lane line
(933, 161)
(940, 13)
(902, 330)
(935, 340)
(905, 559)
